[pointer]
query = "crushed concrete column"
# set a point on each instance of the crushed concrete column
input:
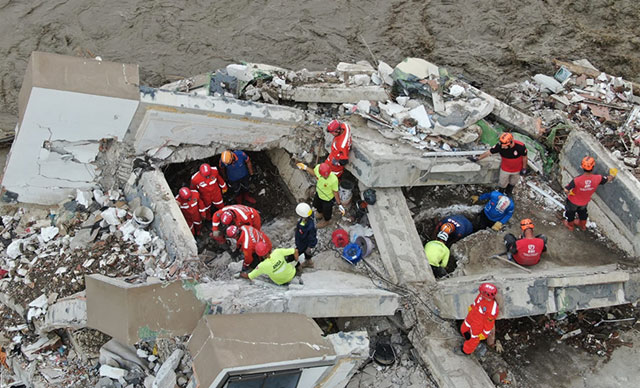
(298, 181)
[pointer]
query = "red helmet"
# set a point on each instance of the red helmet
(262, 249)
(185, 193)
(325, 169)
(226, 217)
(205, 169)
(588, 163)
(232, 231)
(488, 290)
(333, 126)
(506, 138)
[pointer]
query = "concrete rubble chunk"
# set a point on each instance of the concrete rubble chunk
(115, 354)
(328, 93)
(548, 83)
(112, 372)
(70, 312)
(166, 376)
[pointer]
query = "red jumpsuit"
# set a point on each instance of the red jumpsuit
(340, 148)
(480, 320)
(249, 237)
(193, 211)
(242, 215)
(210, 189)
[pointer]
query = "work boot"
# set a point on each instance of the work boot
(307, 264)
(249, 198)
(568, 224)
(582, 224)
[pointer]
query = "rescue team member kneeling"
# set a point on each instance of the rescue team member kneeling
(527, 249)
(275, 266)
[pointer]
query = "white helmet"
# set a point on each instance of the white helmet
(303, 210)
(444, 236)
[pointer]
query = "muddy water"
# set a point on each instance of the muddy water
(490, 42)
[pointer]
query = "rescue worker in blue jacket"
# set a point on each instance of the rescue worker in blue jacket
(306, 234)
(455, 226)
(236, 168)
(497, 211)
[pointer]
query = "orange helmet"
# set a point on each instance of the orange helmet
(526, 224)
(448, 228)
(226, 157)
(506, 138)
(588, 163)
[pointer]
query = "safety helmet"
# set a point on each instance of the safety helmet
(588, 163)
(262, 249)
(506, 138)
(442, 235)
(526, 224)
(333, 126)
(226, 217)
(447, 228)
(185, 193)
(205, 169)
(226, 157)
(325, 169)
(503, 203)
(232, 231)
(488, 290)
(303, 210)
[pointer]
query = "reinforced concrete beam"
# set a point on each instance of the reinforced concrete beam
(328, 93)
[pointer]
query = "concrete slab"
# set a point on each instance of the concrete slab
(299, 182)
(615, 207)
(318, 297)
(135, 312)
(397, 239)
(330, 93)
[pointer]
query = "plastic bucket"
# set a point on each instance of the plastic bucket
(340, 238)
(365, 244)
(143, 216)
(352, 253)
(346, 191)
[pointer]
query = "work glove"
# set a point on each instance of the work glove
(474, 198)
(523, 172)
(301, 166)
(497, 226)
(472, 158)
(342, 211)
(613, 172)
(482, 337)
(225, 190)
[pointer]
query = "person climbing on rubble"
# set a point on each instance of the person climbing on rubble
(513, 164)
(211, 186)
(496, 212)
(437, 254)
(192, 208)
(237, 215)
(326, 191)
(236, 169)
(306, 234)
(481, 319)
(247, 237)
(340, 146)
(456, 227)
(527, 249)
(579, 192)
(278, 264)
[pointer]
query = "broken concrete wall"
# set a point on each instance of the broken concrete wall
(299, 182)
(352, 350)
(139, 312)
(615, 206)
(62, 120)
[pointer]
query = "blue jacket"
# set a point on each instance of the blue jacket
(237, 169)
(491, 210)
(306, 235)
(462, 224)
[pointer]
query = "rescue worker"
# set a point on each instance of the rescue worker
(456, 227)
(211, 186)
(236, 169)
(340, 146)
(480, 321)
(192, 208)
(237, 215)
(275, 265)
(437, 254)
(513, 164)
(579, 192)
(306, 234)
(246, 238)
(496, 212)
(326, 191)
(527, 249)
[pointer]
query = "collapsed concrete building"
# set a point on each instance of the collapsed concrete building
(85, 123)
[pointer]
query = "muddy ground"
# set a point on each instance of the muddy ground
(490, 42)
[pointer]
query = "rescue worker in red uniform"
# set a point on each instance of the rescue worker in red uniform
(513, 164)
(237, 215)
(528, 248)
(340, 146)
(211, 186)
(481, 319)
(246, 238)
(192, 209)
(579, 192)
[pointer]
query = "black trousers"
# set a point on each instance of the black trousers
(324, 207)
(570, 210)
(239, 186)
(484, 221)
(438, 272)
